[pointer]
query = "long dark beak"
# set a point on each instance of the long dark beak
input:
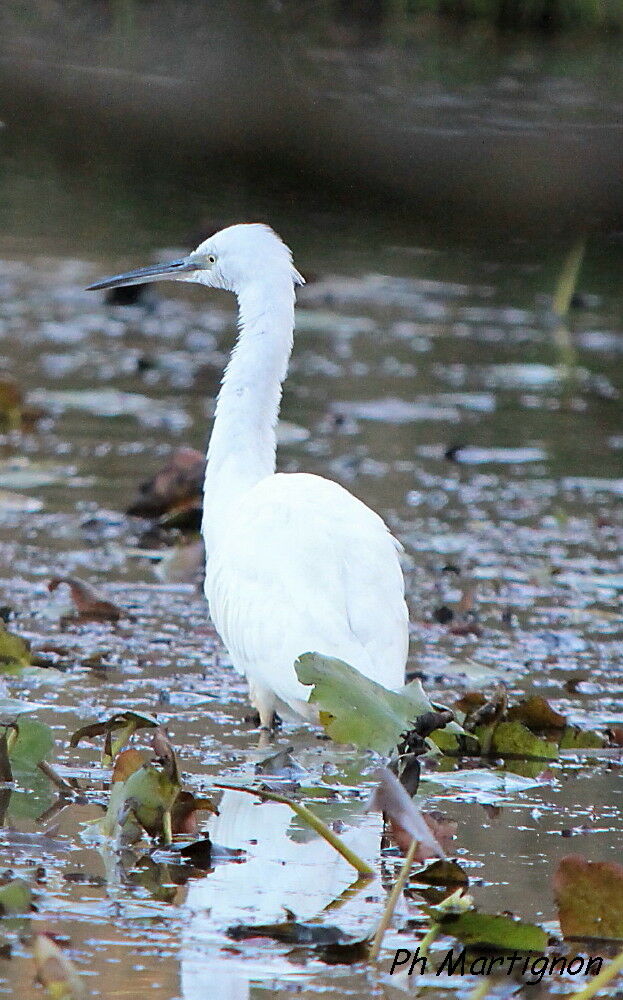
(154, 272)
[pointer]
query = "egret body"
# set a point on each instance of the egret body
(294, 562)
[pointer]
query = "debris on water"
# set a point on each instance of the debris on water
(292, 932)
(126, 722)
(179, 483)
(281, 764)
(91, 606)
(183, 564)
(406, 821)
(55, 971)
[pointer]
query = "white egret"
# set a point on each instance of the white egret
(295, 563)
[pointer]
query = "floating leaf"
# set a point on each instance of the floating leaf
(199, 853)
(502, 933)
(33, 742)
(55, 971)
(589, 896)
(14, 652)
(574, 738)
(292, 932)
(15, 898)
(442, 872)
(185, 809)
(514, 740)
(354, 709)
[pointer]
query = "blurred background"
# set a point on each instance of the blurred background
(125, 117)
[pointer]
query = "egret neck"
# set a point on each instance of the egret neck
(243, 442)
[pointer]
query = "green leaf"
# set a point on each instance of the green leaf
(589, 896)
(149, 795)
(34, 741)
(574, 738)
(514, 740)
(15, 898)
(14, 652)
(354, 709)
(485, 930)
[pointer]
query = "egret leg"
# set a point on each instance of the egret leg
(264, 700)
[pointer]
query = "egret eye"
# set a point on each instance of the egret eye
(211, 258)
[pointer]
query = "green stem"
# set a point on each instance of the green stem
(568, 279)
(312, 820)
(480, 991)
(125, 735)
(428, 939)
(606, 975)
(567, 355)
(167, 834)
(390, 906)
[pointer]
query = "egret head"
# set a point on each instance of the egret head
(232, 259)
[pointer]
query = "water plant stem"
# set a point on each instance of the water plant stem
(390, 906)
(602, 979)
(480, 991)
(312, 820)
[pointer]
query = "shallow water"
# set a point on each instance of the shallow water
(426, 377)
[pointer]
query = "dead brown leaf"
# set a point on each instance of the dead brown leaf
(589, 896)
(406, 821)
(177, 485)
(90, 605)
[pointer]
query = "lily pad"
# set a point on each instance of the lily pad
(15, 898)
(574, 738)
(514, 740)
(496, 932)
(33, 742)
(406, 820)
(589, 896)
(354, 709)
(14, 652)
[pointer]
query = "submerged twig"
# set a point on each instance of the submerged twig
(602, 979)
(348, 893)
(312, 820)
(390, 906)
(61, 783)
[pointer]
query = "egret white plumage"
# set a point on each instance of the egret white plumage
(294, 562)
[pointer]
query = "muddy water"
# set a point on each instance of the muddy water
(425, 379)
